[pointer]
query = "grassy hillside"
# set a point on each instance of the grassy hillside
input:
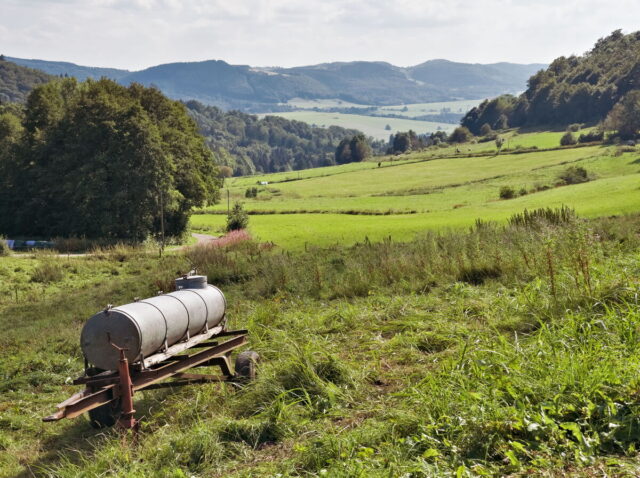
(434, 189)
(491, 352)
(370, 125)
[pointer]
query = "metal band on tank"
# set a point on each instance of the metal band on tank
(166, 325)
(120, 311)
(223, 297)
(206, 317)
(186, 309)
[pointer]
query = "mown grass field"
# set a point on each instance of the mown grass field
(369, 125)
(428, 190)
(496, 351)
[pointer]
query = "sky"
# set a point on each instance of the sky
(135, 34)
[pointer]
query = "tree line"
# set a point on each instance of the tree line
(247, 144)
(100, 160)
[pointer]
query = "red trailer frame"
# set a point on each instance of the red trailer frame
(111, 392)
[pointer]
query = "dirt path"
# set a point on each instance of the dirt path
(203, 238)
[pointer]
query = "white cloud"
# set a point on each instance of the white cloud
(137, 33)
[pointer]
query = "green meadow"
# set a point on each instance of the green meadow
(399, 198)
(419, 109)
(369, 125)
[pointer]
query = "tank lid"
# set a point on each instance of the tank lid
(191, 282)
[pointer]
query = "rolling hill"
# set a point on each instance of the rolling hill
(257, 89)
(573, 89)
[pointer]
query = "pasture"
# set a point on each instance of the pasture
(418, 109)
(369, 125)
(401, 197)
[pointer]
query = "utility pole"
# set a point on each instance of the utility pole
(161, 223)
(228, 203)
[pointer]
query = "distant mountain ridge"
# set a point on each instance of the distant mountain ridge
(62, 68)
(247, 88)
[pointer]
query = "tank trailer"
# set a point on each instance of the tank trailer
(137, 346)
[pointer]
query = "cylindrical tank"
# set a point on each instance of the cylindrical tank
(147, 326)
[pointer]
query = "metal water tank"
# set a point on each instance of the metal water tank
(148, 326)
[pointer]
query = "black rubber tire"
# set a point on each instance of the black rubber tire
(106, 415)
(246, 365)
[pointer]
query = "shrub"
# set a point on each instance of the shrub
(4, 248)
(251, 192)
(561, 215)
(47, 272)
(460, 135)
(507, 192)
(574, 175)
(237, 218)
(591, 136)
(575, 127)
(568, 139)
(225, 172)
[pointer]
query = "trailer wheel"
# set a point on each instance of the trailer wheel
(106, 415)
(245, 368)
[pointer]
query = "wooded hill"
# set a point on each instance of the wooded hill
(17, 81)
(253, 89)
(249, 144)
(243, 142)
(574, 89)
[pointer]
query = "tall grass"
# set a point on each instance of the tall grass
(502, 350)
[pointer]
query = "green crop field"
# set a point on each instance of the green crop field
(419, 109)
(369, 125)
(400, 198)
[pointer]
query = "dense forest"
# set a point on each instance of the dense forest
(17, 81)
(574, 89)
(100, 160)
(248, 144)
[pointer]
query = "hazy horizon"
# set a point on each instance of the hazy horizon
(136, 34)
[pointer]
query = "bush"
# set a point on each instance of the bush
(574, 175)
(595, 135)
(575, 127)
(251, 192)
(568, 139)
(507, 192)
(460, 135)
(4, 248)
(47, 272)
(237, 218)
(558, 216)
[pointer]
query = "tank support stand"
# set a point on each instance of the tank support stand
(116, 388)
